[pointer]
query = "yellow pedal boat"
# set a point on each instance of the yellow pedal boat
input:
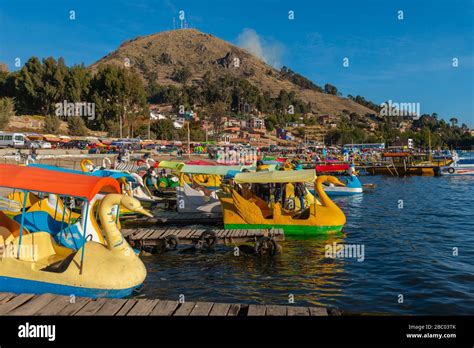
(254, 213)
(35, 263)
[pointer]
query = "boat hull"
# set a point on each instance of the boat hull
(291, 230)
(402, 171)
(19, 286)
(42, 266)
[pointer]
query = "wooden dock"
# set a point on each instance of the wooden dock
(176, 218)
(57, 305)
(170, 238)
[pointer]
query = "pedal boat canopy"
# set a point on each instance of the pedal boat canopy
(60, 183)
(304, 175)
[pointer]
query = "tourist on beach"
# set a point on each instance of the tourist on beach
(33, 154)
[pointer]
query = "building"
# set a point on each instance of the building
(257, 123)
(327, 119)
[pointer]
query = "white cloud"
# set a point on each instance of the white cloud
(269, 52)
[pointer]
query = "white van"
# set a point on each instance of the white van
(12, 140)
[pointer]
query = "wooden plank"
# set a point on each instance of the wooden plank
(75, 306)
(184, 309)
(234, 233)
(165, 308)
(138, 233)
(127, 231)
(4, 294)
(34, 305)
(134, 232)
(256, 310)
(220, 309)
(182, 233)
(189, 234)
(221, 233)
(111, 307)
(226, 233)
(202, 309)
(169, 232)
(318, 311)
(7, 296)
(297, 311)
(195, 234)
(92, 307)
(15, 302)
(149, 233)
(143, 307)
(126, 307)
(234, 309)
(55, 306)
(158, 233)
(273, 310)
(254, 233)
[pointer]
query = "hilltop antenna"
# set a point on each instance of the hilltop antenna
(182, 23)
(174, 23)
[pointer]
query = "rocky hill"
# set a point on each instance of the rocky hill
(156, 58)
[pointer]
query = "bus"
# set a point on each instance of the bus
(16, 140)
(373, 146)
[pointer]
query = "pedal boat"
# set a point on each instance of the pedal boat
(35, 263)
(323, 217)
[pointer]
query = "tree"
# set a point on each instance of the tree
(119, 96)
(77, 83)
(165, 58)
(51, 124)
(76, 126)
(330, 89)
(163, 129)
(454, 121)
(29, 87)
(40, 85)
(7, 110)
(215, 112)
(182, 75)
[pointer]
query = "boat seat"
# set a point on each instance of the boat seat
(38, 247)
(302, 215)
(40, 221)
(36, 221)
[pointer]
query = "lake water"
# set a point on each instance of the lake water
(417, 235)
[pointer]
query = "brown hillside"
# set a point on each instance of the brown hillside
(157, 56)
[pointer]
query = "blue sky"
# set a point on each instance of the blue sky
(407, 60)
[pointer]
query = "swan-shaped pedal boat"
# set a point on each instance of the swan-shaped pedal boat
(35, 263)
(319, 218)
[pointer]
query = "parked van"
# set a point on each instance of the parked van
(16, 140)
